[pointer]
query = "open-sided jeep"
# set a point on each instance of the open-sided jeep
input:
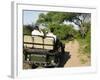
(41, 51)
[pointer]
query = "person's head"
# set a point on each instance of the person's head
(52, 30)
(36, 28)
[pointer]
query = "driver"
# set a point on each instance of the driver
(50, 34)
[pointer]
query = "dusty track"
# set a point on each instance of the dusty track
(74, 61)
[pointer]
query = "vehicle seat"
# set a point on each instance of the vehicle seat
(39, 42)
(27, 40)
(48, 43)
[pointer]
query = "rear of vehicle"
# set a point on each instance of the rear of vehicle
(40, 51)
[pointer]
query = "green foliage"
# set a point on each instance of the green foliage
(63, 32)
(59, 17)
(56, 17)
(85, 43)
(87, 48)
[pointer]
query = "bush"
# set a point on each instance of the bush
(63, 32)
(85, 43)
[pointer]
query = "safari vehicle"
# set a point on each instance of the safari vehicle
(41, 51)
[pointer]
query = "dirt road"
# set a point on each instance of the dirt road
(74, 61)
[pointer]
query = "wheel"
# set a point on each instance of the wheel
(34, 66)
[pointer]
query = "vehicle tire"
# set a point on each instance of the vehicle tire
(34, 66)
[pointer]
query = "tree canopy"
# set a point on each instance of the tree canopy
(59, 17)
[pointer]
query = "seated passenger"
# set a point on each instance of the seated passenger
(50, 34)
(37, 36)
(58, 43)
(37, 31)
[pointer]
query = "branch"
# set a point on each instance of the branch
(76, 23)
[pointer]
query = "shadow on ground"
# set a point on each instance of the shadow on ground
(64, 57)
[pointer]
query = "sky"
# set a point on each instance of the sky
(71, 23)
(30, 16)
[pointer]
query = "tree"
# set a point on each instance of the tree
(59, 17)
(80, 19)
